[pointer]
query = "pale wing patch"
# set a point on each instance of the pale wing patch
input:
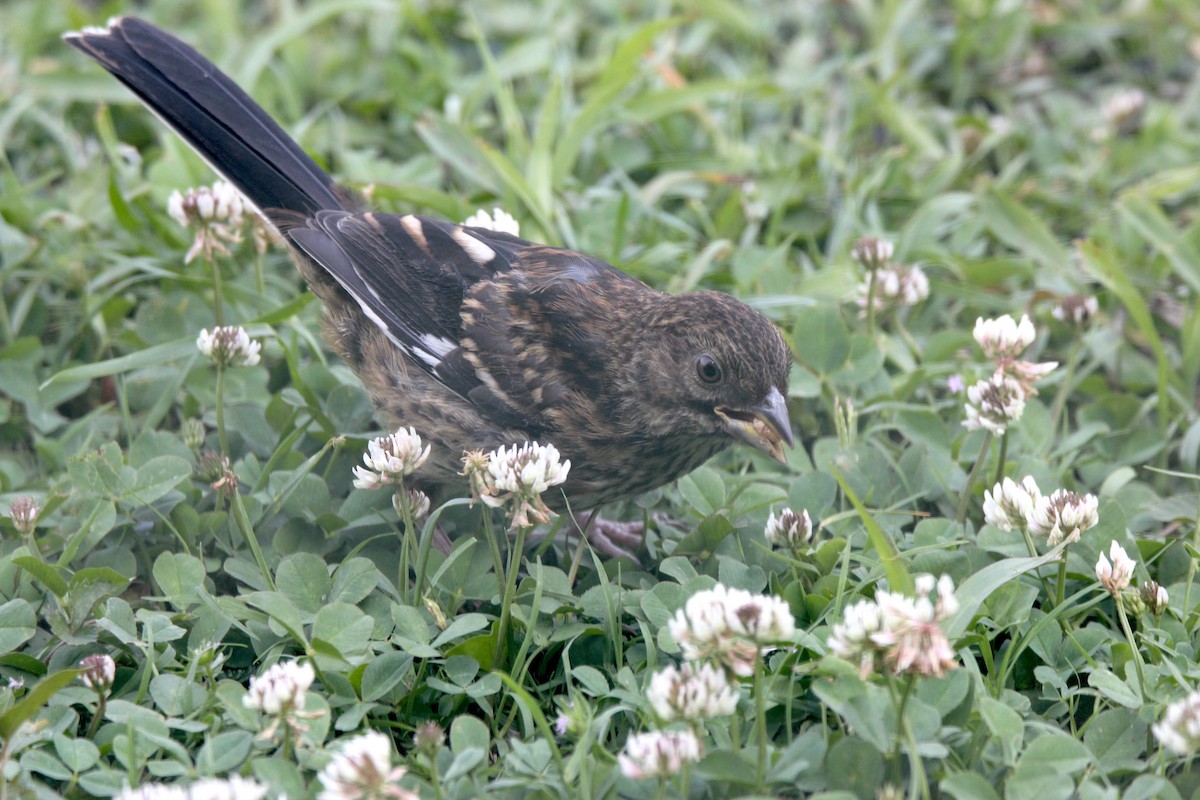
(413, 227)
(479, 252)
(438, 345)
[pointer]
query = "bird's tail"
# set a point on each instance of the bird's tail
(220, 121)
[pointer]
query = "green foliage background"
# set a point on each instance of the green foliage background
(742, 147)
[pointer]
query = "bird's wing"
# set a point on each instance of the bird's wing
(498, 320)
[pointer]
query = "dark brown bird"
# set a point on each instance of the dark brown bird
(476, 338)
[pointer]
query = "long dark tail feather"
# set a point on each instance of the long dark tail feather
(213, 115)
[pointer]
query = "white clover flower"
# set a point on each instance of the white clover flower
(691, 693)
(754, 207)
(230, 204)
(895, 285)
(175, 209)
(475, 470)
(99, 671)
(233, 788)
(872, 253)
(574, 718)
(418, 502)
(658, 753)
(229, 346)
(1063, 516)
(211, 466)
(518, 475)
(1075, 308)
(1155, 597)
(499, 220)
(530, 468)
(192, 432)
(994, 404)
(762, 619)
(1003, 337)
(1125, 110)
(738, 656)
(1179, 729)
(1026, 373)
(153, 791)
(947, 602)
(1008, 504)
(281, 689)
(701, 620)
(789, 529)
(24, 513)
(851, 638)
(911, 285)
(390, 459)
(730, 626)
(362, 769)
(1115, 576)
(215, 212)
(906, 632)
(452, 108)
(220, 203)
(209, 655)
(912, 634)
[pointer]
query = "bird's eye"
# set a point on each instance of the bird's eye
(708, 369)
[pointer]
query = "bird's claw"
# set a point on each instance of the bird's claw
(610, 537)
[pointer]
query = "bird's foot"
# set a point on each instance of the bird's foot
(608, 536)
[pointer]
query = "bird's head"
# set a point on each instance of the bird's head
(709, 365)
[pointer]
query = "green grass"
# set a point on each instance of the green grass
(743, 147)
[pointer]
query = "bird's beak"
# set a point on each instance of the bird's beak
(765, 426)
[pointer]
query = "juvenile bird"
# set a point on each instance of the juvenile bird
(476, 338)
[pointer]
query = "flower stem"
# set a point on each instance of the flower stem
(286, 747)
(1033, 552)
(218, 292)
(497, 559)
(871, 303)
(735, 732)
(435, 780)
(760, 719)
(510, 590)
(1003, 456)
(221, 436)
(963, 502)
(1137, 654)
(1061, 592)
(97, 718)
(907, 692)
(406, 546)
(899, 703)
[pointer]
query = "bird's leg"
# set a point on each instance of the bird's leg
(609, 537)
(441, 541)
